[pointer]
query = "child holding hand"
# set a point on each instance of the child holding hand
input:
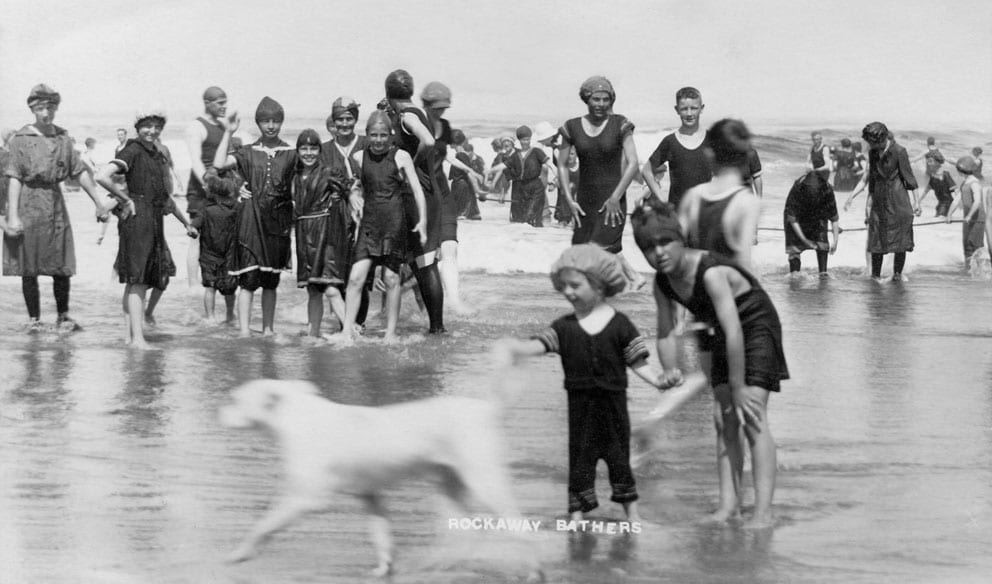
(596, 344)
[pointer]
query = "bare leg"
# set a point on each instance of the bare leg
(764, 463)
(381, 538)
(153, 298)
(393, 292)
(127, 315)
(353, 297)
(281, 514)
(268, 310)
(209, 298)
(245, 298)
(230, 301)
(635, 278)
(449, 277)
(729, 455)
(631, 510)
(337, 303)
(135, 308)
(315, 310)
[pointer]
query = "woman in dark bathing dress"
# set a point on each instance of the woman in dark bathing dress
(604, 142)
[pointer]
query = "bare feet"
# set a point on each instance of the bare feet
(150, 321)
(763, 521)
(723, 515)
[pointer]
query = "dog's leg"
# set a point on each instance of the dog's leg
(489, 481)
(281, 514)
(381, 537)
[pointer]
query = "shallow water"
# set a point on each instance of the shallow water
(113, 467)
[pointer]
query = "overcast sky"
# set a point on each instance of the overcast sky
(913, 62)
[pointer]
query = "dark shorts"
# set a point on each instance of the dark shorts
(764, 362)
(256, 279)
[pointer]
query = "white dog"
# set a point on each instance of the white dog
(361, 450)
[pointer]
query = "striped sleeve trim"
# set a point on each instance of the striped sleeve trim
(549, 338)
(635, 351)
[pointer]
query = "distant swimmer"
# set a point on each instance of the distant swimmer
(808, 209)
(818, 159)
(889, 211)
(973, 225)
(845, 177)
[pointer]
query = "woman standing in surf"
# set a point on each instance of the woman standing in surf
(604, 142)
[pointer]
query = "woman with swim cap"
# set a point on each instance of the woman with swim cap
(604, 142)
(38, 238)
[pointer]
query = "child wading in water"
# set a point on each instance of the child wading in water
(216, 223)
(387, 175)
(596, 344)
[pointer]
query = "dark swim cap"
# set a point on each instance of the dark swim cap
(269, 109)
(399, 85)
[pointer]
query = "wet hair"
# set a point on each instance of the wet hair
(729, 142)
(876, 133)
(687, 93)
(378, 117)
(655, 221)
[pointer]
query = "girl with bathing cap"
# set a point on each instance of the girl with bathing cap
(436, 98)
(748, 362)
(38, 237)
(596, 344)
(143, 258)
(387, 176)
(323, 242)
(412, 133)
(265, 217)
(889, 211)
(604, 142)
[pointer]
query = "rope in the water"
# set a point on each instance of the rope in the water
(843, 229)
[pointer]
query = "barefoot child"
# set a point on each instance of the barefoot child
(596, 344)
(386, 174)
(747, 358)
(215, 220)
(323, 240)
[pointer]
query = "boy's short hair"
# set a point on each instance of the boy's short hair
(845, 142)
(687, 93)
(977, 150)
(122, 130)
(90, 142)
